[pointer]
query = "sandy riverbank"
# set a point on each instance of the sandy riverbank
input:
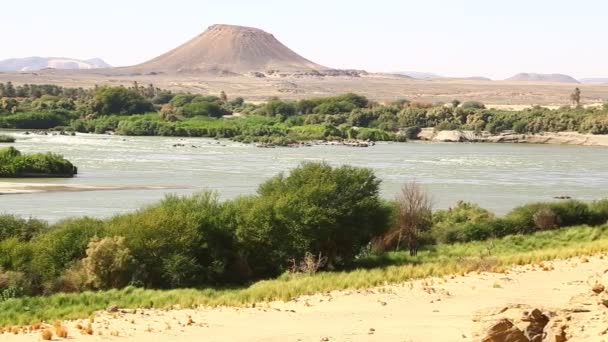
(559, 138)
(436, 309)
(13, 188)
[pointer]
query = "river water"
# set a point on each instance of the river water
(497, 176)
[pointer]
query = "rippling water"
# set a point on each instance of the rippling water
(497, 176)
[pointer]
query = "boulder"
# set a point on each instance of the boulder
(537, 322)
(503, 330)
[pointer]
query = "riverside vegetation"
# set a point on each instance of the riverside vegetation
(15, 164)
(318, 228)
(148, 110)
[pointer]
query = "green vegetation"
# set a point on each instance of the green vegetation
(148, 110)
(317, 228)
(15, 164)
(6, 139)
(393, 267)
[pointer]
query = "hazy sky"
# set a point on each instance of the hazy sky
(456, 38)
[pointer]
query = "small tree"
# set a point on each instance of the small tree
(108, 262)
(575, 97)
(414, 216)
(545, 219)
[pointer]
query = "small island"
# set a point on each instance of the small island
(13, 164)
(6, 139)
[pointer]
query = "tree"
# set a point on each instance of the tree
(413, 216)
(120, 100)
(9, 90)
(575, 97)
(108, 262)
(317, 209)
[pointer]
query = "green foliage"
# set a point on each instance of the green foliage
(14, 164)
(120, 100)
(473, 105)
(36, 120)
(23, 229)
(203, 108)
(179, 242)
(108, 263)
(316, 209)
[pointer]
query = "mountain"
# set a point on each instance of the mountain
(39, 63)
(595, 80)
(229, 49)
(530, 77)
(419, 75)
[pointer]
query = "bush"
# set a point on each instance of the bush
(598, 211)
(465, 222)
(180, 242)
(545, 219)
(317, 209)
(473, 105)
(23, 229)
(62, 246)
(13, 164)
(108, 263)
(203, 109)
(120, 100)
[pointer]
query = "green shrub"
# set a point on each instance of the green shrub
(108, 263)
(465, 222)
(180, 242)
(13, 163)
(316, 209)
(120, 100)
(23, 229)
(62, 246)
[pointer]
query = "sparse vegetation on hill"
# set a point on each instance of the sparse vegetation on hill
(15, 164)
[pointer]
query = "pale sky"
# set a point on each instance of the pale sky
(453, 38)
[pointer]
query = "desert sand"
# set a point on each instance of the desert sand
(378, 87)
(434, 309)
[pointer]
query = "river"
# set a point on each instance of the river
(497, 176)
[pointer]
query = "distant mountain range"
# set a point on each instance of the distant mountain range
(598, 80)
(431, 76)
(40, 63)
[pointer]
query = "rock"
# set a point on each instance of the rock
(598, 288)
(538, 321)
(555, 331)
(503, 330)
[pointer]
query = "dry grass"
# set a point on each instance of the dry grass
(46, 335)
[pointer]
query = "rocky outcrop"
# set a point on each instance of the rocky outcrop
(585, 318)
(559, 138)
